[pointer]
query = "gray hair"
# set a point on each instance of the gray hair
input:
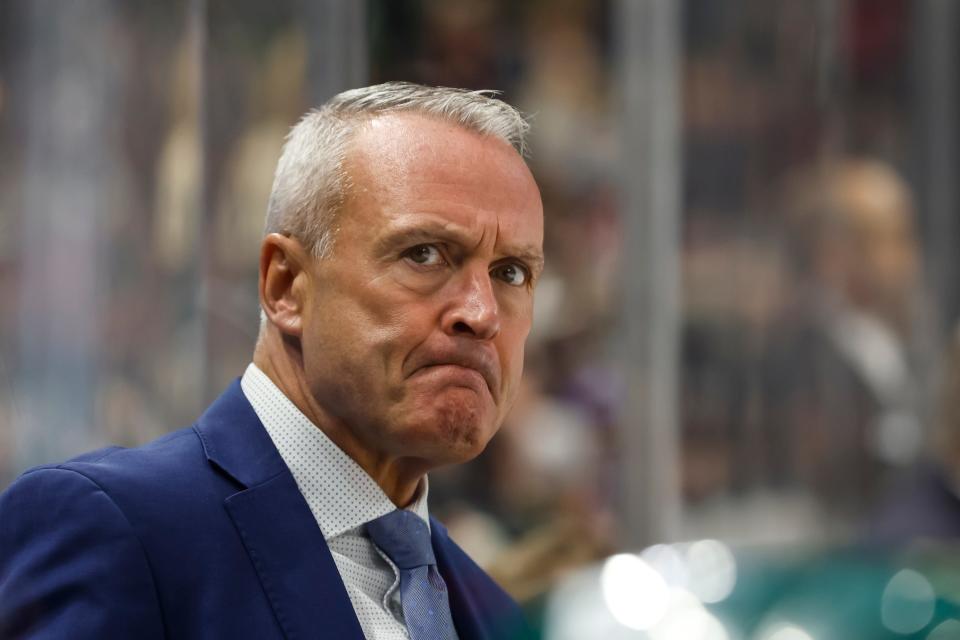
(310, 183)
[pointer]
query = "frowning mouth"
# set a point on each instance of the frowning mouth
(474, 370)
(454, 375)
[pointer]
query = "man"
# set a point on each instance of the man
(403, 241)
(841, 372)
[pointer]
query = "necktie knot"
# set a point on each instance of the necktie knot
(404, 537)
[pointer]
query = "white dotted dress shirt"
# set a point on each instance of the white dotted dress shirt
(342, 498)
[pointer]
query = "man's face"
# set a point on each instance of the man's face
(413, 327)
(880, 249)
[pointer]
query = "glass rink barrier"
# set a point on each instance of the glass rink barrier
(746, 335)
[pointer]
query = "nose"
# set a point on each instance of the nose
(474, 311)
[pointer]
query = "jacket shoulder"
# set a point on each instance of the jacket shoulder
(61, 533)
(142, 469)
(167, 478)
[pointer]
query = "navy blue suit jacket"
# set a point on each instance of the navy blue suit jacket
(200, 534)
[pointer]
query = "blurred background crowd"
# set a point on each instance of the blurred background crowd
(816, 253)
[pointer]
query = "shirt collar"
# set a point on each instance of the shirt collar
(340, 494)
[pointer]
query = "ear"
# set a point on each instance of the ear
(283, 262)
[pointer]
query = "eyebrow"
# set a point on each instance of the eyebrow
(532, 257)
(402, 234)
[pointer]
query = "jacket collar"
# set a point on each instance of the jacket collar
(235, 441)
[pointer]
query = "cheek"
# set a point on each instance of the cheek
(383, 330)
(349, 334)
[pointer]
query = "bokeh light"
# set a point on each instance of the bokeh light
(907, 603)
(635, 594)
(712, 570)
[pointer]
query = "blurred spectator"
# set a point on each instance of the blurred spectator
(841, 402)
(276, 95)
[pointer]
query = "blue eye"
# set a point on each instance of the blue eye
(426, 255)
(512, 274)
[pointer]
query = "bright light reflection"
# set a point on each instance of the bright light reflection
(907, 603)
(686, 619)
(576, 610)
(635, 594)
(947, 630)
(668, 562)
(712, 570)
(784, 631)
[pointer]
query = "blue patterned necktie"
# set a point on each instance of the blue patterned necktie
(405, 538)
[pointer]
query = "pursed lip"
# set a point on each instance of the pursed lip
(479, 360)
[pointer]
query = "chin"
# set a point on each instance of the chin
(456, 431)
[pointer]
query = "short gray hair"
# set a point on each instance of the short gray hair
(310, 182)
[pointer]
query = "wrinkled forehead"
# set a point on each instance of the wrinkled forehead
(403, 142)
(405, 161)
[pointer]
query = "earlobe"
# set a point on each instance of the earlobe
(282, 262)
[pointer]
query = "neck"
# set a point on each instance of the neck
(281, 360)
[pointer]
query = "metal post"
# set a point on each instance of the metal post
(648, 33)
(201, 262)
(938, 162)
(339, 42)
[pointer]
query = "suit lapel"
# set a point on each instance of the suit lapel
(293, 560)
(283, 541)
